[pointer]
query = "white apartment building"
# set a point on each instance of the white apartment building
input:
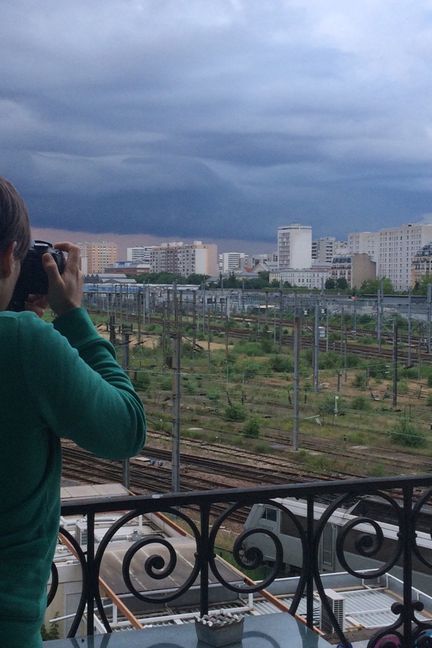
(139, 254)
(309, 278)
(393, 249)
(185, 258)
(326, 248)
(231, 261)
(97, 255)
(294, 246)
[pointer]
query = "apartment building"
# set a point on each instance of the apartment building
(97, 255)
(355, 268)
(231, 261)
(309, 278)
(294, 246)
(139, 254)
(422, 264)
(185, 258)
(327, 247)
(393, 249)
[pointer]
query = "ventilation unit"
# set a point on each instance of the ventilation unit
(81, 533)
(336, 602)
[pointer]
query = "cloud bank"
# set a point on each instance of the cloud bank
(217, 119)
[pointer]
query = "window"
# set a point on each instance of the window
(269, 514)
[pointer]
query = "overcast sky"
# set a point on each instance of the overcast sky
(218, 118)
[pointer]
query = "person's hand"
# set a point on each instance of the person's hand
(65, 290)
(37, 303)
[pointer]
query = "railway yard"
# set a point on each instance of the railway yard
(236, 403)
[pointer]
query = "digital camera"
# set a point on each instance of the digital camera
(33, 279)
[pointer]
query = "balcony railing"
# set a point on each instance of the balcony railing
(204, 513)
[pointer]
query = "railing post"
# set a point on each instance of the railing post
(308, 562)
(408, 539)
(92, 584)
(203, 553)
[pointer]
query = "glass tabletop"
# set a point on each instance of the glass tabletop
(266, 631)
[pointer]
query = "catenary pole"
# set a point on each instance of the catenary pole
(316, 347)
(296, 384)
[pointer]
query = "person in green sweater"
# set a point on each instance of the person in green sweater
(58, 380)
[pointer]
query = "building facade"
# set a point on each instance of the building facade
(230, 262)
(97, 255)
(394, 250)
(139, 254)
(355, 268)
(310, 278)
(294, 247)
(422, 264)
(185, 258)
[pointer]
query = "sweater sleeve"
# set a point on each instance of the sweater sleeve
(78, 387)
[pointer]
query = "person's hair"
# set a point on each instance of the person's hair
(14, 220)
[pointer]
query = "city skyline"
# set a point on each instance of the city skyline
(215, 120)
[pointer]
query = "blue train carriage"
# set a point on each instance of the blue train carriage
(266, 516)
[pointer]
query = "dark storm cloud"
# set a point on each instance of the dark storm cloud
(204, 118)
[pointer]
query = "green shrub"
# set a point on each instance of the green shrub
(429, 400)
(261, 447)
(429, 380)
(353, 360)
(366, 339)
(248, 348)
(189, 386)
(360, 403)
(379, 370)
(360, 381)
(403, 387)
(247, 368)
(213, 394)
(141, 382)
(281, 363)
(409, 372)
(329, 360)
(235, 413)
(194, 434)
(267, 346)
(252, 428)
(406, 434)
(327, 405)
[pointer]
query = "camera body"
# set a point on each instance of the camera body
(33, 279)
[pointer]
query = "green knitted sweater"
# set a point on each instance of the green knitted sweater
(56, 381)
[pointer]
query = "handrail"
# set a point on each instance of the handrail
(406, 497)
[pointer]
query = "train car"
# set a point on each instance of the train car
(272, 518)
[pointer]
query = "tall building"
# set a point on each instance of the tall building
(185, 258)
(323, 249)
(139, 254)
(97, 255)
(294, 246)
(327, 247)
(231, 261)
(422, 264)
(393, 249)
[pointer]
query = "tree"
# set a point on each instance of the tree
(370, 286)
(420, 287)
(197, 279)
(330, 284)
(341, 283)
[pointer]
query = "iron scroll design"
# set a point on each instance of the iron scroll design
(80, 556)
(156, 555)
(248, 556)
(156, 565)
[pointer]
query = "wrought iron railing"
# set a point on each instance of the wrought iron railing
(203, 514)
